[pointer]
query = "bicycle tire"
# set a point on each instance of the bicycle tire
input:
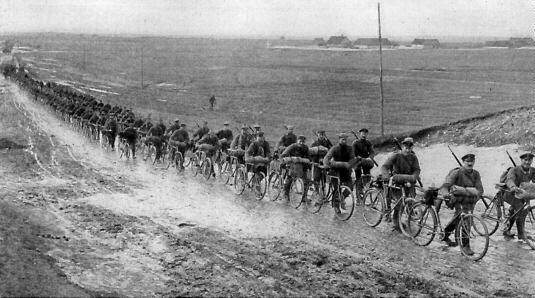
(262, 186)
(314, 198)
(423, 224)
(487, 209)
(403, 218)
(179, 161)
(297, 190)
(529, 227)
(347, 204)
(240, 181)
(194, 165)
(152, 155)
(275, 186)
(206, 168)
(373, 207)
(476, 239)
(225, 172)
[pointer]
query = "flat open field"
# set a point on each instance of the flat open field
(310, 89)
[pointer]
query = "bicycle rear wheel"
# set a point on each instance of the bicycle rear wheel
(195, 165)
(240, 181)
(297, 189)
(472, 235)
(406, 210)
(275, 186)
(422, 224)
(347, 204)
(490, 213)
(373, 207)
(179, 161)
(225, 172)
(529, 227)
(314, 198)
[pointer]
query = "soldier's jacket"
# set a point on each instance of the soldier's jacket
(287, 139)
(201, 132)
(325, 143)
(155, 131)
(363, 148)
(401, 163)
(172, 128)
(162, 128)
(209, 138)
(242, 141)
(258, 148)
(517, 175)
(296, 150)
(94, 118)
(225, 134)
(111, 124)
(463, 177)
(339, 152)
(180, 135)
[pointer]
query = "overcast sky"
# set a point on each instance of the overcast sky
(260, 18)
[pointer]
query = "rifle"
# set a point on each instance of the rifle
(398, 144)
(252, 130)
(377, 165)
(512, 160)
(457, 158)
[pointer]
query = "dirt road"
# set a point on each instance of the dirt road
(128, 228)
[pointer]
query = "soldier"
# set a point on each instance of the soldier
(339, 160)
(463, 188)
(287, 139)
(296, 170)
(258, 148)
(404, 167)
(524, 173)
(240, 143)
(154, 136)
(171, 129)
(225, 136)
(179, 141)
(212, 102)
(110, 130)
(201, 131)
(363, 148)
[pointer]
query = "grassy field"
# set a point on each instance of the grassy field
(310, 89)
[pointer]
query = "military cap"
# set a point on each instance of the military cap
(408, 140)
(343, 135)
(321, 131)
(289, 127)
(244, 126)
(177, 120)
(364, 130)
(468, 157)
(301, 137)
(256, 126)
(527, 155)
(226, 123)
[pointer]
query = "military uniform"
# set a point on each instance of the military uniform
(515, 177)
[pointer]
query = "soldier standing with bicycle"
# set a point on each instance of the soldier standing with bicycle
(524, 173)
(404, 168)
(296, 170)
(462, 188)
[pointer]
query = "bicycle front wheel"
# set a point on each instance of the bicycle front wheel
(206, 168)
(260, 185)
(179, 160)
(314, 198)
(240, 180)
(275, 186)
(346, 206)
(373, 207)
(529, 227)
(422, 224)
(490, 213)
(297, 189)
(472, 235)
(225, 172)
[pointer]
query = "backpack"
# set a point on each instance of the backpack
(503, 176)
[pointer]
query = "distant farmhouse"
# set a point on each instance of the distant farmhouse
(319, 41)
(372, 43)
(423, 43)
(339, 41)
(514, 42)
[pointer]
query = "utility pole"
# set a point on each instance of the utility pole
(381, 71)
(142, 67)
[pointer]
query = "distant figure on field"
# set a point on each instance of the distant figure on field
(212, 102)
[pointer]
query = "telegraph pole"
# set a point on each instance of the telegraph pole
(142, 67)
(381, 71)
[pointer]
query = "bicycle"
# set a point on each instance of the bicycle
(321, 194)
(277, 174)
(230, 167)
(424, 224)
(124, 148)
(376, 203)
(492, 212)
(257, 181)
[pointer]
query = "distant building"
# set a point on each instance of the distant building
(514, 42)
(425, 43)
(319, 41)
(339, 41)
(367, 43)
(519, 42)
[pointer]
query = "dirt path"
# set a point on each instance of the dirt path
(139, 230)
